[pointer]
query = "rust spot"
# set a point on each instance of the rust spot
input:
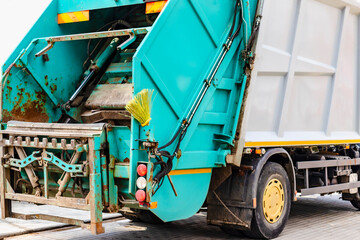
(151, 174)
(46, 80)
(147, 196)
(20, 91)
(113, 208)
(30, 111)
(53, 87)
(103, 166)
(96, 227)
(8, 93)
(99, 205)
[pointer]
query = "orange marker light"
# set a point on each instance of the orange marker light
(153, 205)
(72, 17)
(155, 7)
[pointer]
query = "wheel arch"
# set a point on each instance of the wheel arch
(277, 155)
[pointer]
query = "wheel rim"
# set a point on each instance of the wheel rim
(273, 200)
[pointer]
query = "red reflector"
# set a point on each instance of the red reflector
(141, 170)
(140, 195)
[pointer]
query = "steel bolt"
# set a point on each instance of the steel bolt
(45, 142)
(63, 143)
(36, 141)
(73, 143)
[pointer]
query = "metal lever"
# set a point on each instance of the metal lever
(125, 44)
(172, 185)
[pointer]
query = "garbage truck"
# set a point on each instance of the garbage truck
(157, 109)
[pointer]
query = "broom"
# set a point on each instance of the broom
(140, 107)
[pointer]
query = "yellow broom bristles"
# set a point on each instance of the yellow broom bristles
(140, 107)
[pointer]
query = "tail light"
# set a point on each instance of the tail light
(140, 195)
(141, 170)
(141, 183)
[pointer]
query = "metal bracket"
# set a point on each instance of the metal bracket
(45, 158)
(47, 48)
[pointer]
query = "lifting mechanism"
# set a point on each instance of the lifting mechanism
(65, 164)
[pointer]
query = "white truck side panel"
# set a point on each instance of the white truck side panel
(305, 84)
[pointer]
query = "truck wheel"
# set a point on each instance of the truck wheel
(355, 203)
(273, 203)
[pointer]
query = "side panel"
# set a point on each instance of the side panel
(304, 87)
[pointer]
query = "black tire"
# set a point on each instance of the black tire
(356, 204)
(261, 227)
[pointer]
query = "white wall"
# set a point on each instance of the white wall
(16, 19)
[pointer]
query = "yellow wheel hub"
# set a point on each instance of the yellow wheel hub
(273, 200)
